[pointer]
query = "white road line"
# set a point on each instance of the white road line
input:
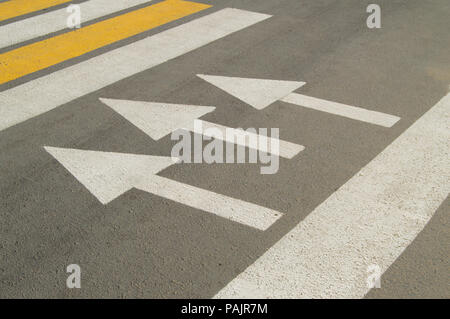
(108, 175)
(344, 110)
(286, 149)
(53, 21)
(233, 209)
(258, 93)
(160, 119)
(46, 93)
(369, 220)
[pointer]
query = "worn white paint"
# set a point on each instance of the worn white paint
(370, 220)
(23, 102)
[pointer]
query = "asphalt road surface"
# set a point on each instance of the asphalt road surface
(357, 194)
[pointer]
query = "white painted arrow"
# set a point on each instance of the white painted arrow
(108, 175)
(160, 119)
(258, 93)
(352, 112)
(261, 93)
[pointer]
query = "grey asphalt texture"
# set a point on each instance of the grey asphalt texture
(143, 246)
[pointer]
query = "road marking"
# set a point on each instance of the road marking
(157, 119)
(160, 119)
(367, 221)
(286, 149)
(261, 93)
(23, 102)
(54, 21)
(344, 110)
(109, 175)
(235, 210)
(37, 56)
(15, 8)
(258, 93)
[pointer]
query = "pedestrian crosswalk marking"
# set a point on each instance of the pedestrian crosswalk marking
(15, 8)
(108, 175)
(56, 20)
(23, 102)
(40, 55)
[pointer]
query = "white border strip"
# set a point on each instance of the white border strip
(369, 220)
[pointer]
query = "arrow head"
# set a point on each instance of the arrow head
(258, 93)
(108, 175)
(158, 119)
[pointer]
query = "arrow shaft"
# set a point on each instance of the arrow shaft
(233, 209)
(231, 135)
(340, 109)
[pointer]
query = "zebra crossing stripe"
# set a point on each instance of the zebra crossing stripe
(54, 21)
(24, 102)
(15, 8)
(43, 54)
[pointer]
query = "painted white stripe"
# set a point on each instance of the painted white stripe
(369, 220)
(53, 21)
(286, 149)
(46, 93)
(344, 110)
(233, 209)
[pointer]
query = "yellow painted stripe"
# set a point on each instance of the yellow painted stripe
(15, 8)
(40, 55)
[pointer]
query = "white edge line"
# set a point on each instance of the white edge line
(370, 220)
